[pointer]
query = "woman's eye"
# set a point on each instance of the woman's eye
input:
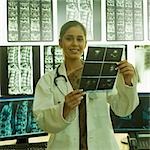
(72, 38)
(68, 38)
(80, 40)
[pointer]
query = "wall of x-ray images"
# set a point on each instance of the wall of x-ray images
(29, 33)
(37, 22)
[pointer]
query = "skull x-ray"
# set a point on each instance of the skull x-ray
(100, 68)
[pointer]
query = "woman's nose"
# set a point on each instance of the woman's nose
(75, 42)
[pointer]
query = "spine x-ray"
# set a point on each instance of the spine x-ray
(88, 12)
(20, 70)
(29, 20)
(53, 56)
(124, 20)
(16, 118)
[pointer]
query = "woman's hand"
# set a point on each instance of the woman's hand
(127, 71)
(72, 100)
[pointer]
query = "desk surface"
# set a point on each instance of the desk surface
(119, 137)
(122, 137)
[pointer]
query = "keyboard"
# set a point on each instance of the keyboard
(143, 143)
(26, 146)
(140, 142)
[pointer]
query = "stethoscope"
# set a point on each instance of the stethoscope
(58, 75)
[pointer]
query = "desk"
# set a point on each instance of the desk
(119, 137)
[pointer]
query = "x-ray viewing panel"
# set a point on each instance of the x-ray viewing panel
(53, 56)
(88, 12)
(29, 20)
(100, 68)
(148, 9)
(142, 64)
(124, 20)
(21, 70)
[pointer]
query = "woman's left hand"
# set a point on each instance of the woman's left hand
(127, 71)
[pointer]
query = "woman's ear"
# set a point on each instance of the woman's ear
(60, 43)
(85, 44)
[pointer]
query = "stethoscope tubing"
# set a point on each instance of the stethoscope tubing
(59, 76)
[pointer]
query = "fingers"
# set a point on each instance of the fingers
(74, 98)
(76, 92)
(125, 67)
(127, 71)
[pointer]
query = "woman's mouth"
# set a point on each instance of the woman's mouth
(74, 50)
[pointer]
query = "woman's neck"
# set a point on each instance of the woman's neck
(72, 65)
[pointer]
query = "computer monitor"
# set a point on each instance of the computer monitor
(138, 121)
(17, 120)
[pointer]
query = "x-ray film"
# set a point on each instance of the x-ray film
(30, 20)
(124, 20)
(100, 68)
(142, 64)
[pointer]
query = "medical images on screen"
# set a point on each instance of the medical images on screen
(100, 68)
(138, 120)
(16, 119)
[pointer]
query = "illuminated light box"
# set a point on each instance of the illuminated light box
(20, 70)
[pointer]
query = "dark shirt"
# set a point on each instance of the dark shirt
(74, 79)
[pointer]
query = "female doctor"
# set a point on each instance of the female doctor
(57, 98)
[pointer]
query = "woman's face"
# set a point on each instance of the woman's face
(73, 43)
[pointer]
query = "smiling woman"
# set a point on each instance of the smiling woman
(73, 42)
(80, 120)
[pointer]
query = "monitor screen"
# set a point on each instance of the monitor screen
(139, 120)
(16, 119)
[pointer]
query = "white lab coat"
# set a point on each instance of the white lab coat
(48, 110)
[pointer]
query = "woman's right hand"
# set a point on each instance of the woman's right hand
(72, 100)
